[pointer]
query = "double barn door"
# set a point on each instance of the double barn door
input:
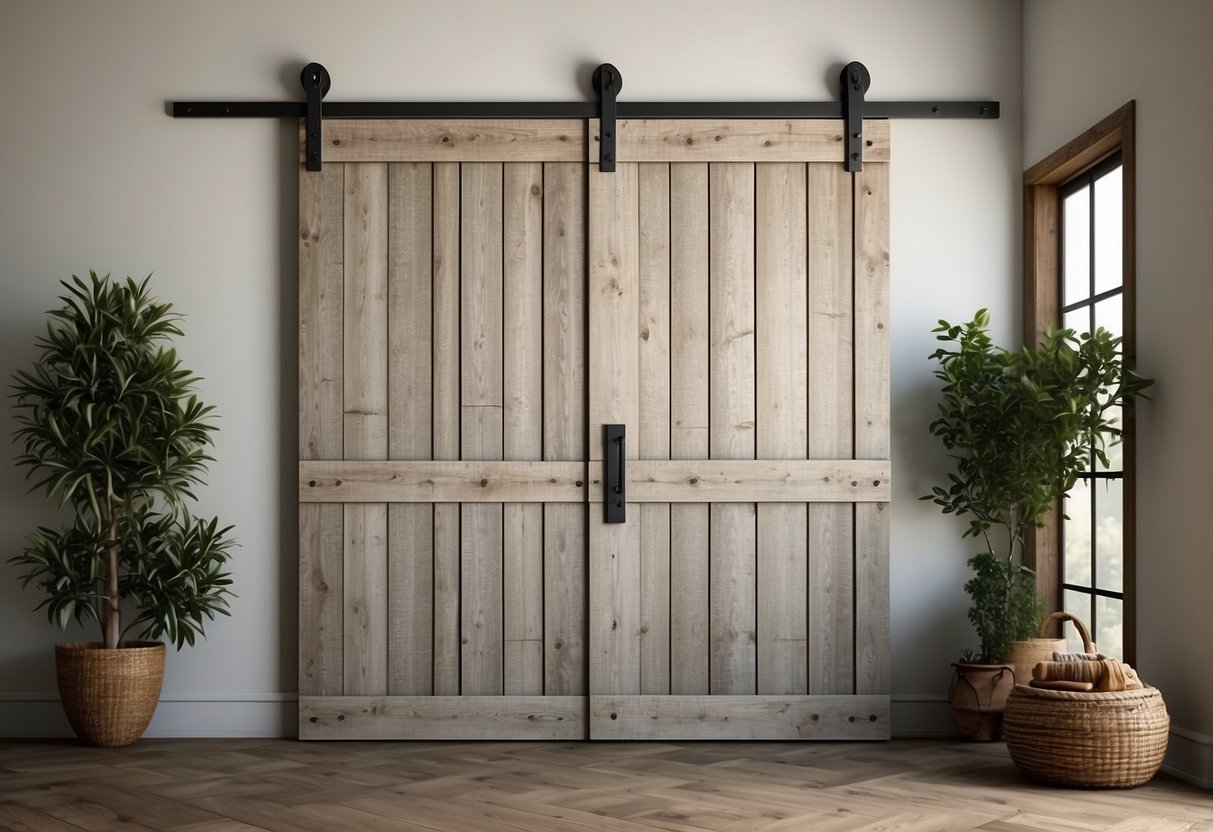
(477, 300)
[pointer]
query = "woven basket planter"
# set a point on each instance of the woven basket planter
(109, 695)
(1090, 740)
(1024, 655)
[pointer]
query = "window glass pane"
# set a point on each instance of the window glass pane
(1109, 314)
(1077, 535)
(1109, 634)
(1115, 453)
(1108, 231)
(1109, 534)
(1078, 320)
(1079, 604)
(1076, 246)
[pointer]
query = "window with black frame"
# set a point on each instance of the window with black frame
(1094, 568)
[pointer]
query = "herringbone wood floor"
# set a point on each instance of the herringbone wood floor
(245, 785)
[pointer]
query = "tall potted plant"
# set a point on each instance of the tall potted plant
(1021, 426)
(111, 427)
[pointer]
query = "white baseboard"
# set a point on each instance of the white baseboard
(1190, 757)
(922, 715)
(218, 714)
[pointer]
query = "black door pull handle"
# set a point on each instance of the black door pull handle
(614, 496)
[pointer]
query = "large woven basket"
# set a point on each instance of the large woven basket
(1091, 740)
(109, 695)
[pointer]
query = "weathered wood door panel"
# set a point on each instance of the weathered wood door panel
(442, 475)
(734, 307)
(476, 301)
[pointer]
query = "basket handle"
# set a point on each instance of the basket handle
(1088, 646)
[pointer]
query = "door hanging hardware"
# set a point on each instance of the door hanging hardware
(614, 474)
(855, 81)
(851, 107)
(607, 83)
(316, 83)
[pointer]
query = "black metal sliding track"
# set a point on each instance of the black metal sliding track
(608, 82)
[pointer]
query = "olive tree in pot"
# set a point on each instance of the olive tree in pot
(1021, 426)
(111, 427)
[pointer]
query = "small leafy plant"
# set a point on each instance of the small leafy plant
(110, 425)
(1021, 426)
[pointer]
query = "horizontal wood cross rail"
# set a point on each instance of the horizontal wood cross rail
(812, 717)
(648, 481)
(568, 140)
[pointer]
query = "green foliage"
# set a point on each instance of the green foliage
(110, 425)
(1020, 426)
(1005, 604)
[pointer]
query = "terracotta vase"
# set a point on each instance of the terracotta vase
(978, 697)
(109, 695)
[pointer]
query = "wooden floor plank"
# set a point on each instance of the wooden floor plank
(268, 785)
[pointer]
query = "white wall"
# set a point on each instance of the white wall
(95, 175)
(1084, 59)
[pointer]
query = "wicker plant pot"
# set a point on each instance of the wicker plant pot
(109, 695)
(978, 696)
(1092, 740)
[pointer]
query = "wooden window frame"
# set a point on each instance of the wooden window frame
(1042, 306)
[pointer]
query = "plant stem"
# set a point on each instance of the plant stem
(113, 614)
(989, 543)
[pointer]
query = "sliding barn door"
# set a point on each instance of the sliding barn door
(442, 432)
(738, 298)
(477, 301)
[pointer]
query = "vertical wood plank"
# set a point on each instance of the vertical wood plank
(410, 599)
(614, 293)
(481, 275)
(321, 259)
(732, 413)
(522, 298)
(564, 599)
(782, 378)
(564, 426)
(321, 305)
(689, 359)
(654, 427)
(321, 605)
(872, 396)
(522, 370)
(365, 429)
(410, 419)
(448, 618)
(481, 382)
(365, 626)
(410, 308)
(481, 545)
(365, 341)
(446, 430)
(831, 525)
(522, 599)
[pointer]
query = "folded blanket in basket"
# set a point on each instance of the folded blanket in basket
(1062, 684)
(1076, 657)
(1104, 673)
